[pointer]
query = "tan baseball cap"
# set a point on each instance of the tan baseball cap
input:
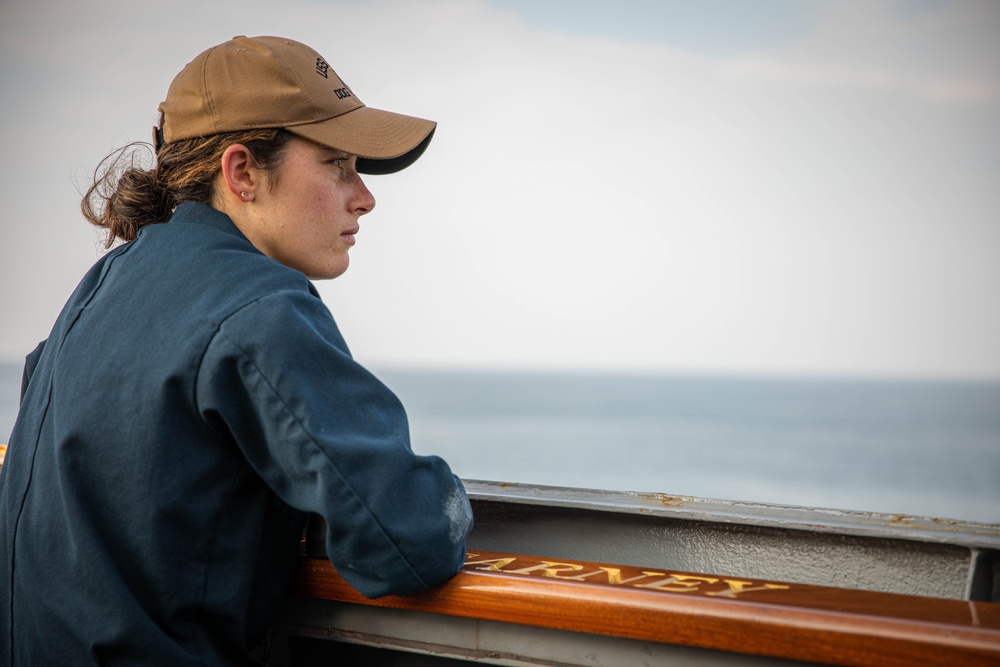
(262, 82)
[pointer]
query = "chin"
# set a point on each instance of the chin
(328, 273)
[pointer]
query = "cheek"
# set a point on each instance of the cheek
(318, 203)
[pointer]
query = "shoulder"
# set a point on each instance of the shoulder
(202, 251)
(290, 321)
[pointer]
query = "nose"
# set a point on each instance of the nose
(364, 200)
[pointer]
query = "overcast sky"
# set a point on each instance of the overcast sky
(712, 186)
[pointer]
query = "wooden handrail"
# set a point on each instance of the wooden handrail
(782, 620)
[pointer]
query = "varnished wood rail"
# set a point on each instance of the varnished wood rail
(781, 620)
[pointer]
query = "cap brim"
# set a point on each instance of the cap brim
(384, 142)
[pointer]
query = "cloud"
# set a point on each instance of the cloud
(947, 54)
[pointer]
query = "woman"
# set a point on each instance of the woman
(195, 400)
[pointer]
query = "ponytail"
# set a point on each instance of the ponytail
(126, 196)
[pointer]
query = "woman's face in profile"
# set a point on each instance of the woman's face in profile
(307, 213)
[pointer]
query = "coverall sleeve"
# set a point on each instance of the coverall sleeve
(329, 438)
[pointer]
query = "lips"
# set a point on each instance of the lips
(348, 236)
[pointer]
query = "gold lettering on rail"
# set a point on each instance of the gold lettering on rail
(687, 583)
(495, 564)
(670, 582)
(548, 569)
(614, 576)
(736, 587)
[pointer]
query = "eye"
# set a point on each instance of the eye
(338, 162)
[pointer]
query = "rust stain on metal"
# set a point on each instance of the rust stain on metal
(671, 501)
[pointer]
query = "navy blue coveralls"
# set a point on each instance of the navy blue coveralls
(193, 402)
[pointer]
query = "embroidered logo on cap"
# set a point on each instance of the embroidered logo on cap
(322, 67)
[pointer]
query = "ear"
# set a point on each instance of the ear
(238, 173)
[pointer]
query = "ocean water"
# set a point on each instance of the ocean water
(909, 447)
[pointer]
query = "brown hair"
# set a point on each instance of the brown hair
(126, 196)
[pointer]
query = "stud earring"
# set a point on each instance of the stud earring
(243, 195)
